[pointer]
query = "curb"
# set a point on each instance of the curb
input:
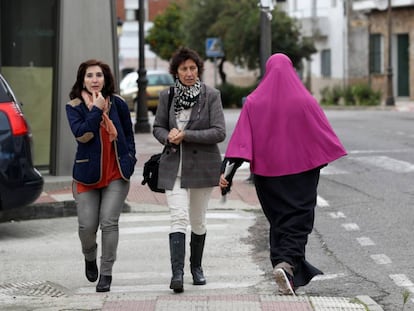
(369, 303)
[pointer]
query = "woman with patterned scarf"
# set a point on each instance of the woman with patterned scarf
(190, 127)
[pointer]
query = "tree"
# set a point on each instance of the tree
(200, 15)
(166, 34)
(236, 23)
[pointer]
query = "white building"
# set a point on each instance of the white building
(326, 22)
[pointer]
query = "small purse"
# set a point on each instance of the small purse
(151, 167)
(150, 173)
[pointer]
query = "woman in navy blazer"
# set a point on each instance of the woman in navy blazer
(105, 158)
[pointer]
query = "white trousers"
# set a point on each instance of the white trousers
(188, 206)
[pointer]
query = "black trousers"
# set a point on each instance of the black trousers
(288, 203)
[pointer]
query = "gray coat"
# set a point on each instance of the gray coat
(201, 159)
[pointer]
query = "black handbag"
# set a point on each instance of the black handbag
(151, 167)
(150, 173)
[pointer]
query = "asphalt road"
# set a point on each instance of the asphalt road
(363, 235)
(366, 224)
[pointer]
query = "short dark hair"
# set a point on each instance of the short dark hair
(183, 54)
(109, 84)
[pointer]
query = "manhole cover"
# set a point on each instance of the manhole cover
(35, 289)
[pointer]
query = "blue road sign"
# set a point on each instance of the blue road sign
(214, 47)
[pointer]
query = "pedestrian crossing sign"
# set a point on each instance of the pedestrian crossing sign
(214, 48)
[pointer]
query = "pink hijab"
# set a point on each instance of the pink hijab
(282, 130)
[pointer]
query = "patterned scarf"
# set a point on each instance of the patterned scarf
(187, 95)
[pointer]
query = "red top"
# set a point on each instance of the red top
(110, 169)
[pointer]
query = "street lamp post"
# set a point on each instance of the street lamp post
(266, 7)
(142, 125)
(390, 94)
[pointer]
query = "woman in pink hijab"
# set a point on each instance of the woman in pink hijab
(284, 134)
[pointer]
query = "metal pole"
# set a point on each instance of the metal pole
(142, 125)
(265, 37)
(390, 93)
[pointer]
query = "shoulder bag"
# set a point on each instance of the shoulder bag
(151, 167)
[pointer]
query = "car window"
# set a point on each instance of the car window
(5, 93)
(160, 79)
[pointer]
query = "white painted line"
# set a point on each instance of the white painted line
(337, 215)
(365, 241)
(387, 163)
(154, 229)
(62, 197)
(381, 259)
(401, 280)
(351, 227)
(321, 202)
(325, 277)
(125, 218)
(379, 151)
(229, 216)
(166, 217)
(332, 170)
(164, 287)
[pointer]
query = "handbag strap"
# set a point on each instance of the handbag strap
(170, 98)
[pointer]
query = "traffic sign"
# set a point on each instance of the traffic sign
(214, 48)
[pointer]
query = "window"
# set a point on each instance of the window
(375, 53)
(326, 63)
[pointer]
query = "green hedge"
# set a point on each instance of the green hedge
(353, 95)
(232, 95)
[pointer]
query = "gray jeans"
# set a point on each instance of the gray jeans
(101, 207)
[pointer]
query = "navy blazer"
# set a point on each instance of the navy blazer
(85, 126)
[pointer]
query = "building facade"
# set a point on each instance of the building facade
(351, 37)
(388, 46)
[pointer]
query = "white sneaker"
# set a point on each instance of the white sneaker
(284, 281)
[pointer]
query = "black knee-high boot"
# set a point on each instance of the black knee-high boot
(197, 247)
(177, 253)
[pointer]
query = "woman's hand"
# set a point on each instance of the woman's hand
(175, 136)
(98, 100)
(223, 182)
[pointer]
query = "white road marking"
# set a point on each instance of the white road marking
(154, 229)
(166, 217)
(321, 202)
(381, 259)
(325, 277)
(351, 227)
(164, 287)
(379, 151)
(337, 215)
(365, 241)
(332, 170)
(387, 163)
(401, 280)
(62, 197)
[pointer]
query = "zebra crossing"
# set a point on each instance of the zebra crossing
(145, 267)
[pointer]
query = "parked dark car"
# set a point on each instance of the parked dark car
(20, 183)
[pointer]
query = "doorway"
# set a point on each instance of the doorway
(403, 66)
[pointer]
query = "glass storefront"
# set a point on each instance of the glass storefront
(28, 34)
